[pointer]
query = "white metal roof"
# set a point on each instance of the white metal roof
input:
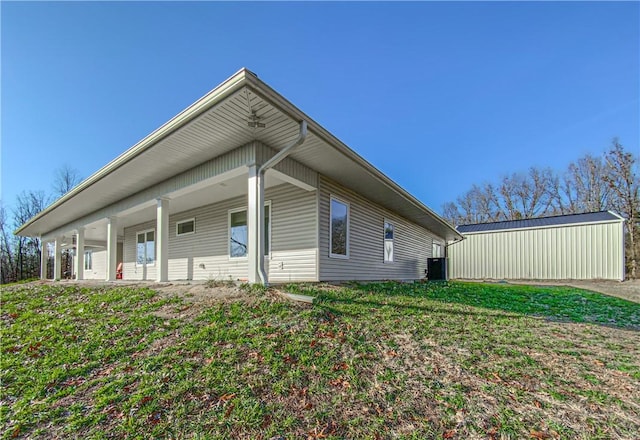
(214, 125)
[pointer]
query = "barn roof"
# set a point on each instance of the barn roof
(540, 222)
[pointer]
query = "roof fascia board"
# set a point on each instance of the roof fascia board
(226, 88)
(565, 225)
(231, 85)
(207, 173)
(266, 92)
(617, 215)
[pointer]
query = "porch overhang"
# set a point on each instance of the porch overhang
(219, 123)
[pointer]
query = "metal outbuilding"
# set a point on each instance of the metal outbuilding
(564, 247)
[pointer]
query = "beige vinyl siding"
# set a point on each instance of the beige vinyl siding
(588, 251)
(205, 254)
(98, 265)
(412, 243)
(293, 234)
(240, 157)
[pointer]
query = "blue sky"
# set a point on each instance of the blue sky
(436, 95)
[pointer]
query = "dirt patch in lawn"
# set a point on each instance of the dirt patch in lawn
(195, 298)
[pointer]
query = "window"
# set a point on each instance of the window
(239, 231)
(388, 242)
(186, 227)
(146, 250)
(238, 234)
(339, 229)
(88, 264)
(437, 250)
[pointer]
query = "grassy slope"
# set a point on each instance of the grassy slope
(383, 360)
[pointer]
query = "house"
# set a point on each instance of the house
(564, 247)
(241, 185)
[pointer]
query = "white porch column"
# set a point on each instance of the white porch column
(255, 226)
(112, 248)
(44, 259)
(79, 260)
(162, 240)
(57, 262)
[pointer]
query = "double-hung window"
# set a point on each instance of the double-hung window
(146, 248)
(239, 232)
(338, 229)
(388, 242)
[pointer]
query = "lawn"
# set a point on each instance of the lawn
(379, 360)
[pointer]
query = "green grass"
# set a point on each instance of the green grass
(376, 360)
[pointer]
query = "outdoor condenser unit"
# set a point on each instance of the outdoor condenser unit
(437, 269)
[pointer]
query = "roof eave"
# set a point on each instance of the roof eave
(296, 114)
(243, 77)
(226, 88)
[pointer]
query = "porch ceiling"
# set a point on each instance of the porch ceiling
(214, 125)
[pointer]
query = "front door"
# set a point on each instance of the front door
(146, 253)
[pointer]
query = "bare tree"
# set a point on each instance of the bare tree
(527, 195)
(27, 249)
(624, 182)
(585, 188)
(451, 213)
(65, 179)
(7, 264)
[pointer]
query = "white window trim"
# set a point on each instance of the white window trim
(348, 205)
(186, 221)
(155, 241)
(231, 211)
(384, 240)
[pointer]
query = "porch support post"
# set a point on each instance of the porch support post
(255, 226)
(79, 260)
(44, 259)
(57, 262)
(162, 245)
(112, 248)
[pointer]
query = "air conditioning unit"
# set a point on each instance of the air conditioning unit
(437, 269)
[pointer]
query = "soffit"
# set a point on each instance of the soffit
(219, 129)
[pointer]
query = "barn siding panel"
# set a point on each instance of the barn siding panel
(587, 251)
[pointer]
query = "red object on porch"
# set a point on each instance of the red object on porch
(119, 272)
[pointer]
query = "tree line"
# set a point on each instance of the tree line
(20, 256)
(610, 181)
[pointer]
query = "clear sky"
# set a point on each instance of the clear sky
(436, 95)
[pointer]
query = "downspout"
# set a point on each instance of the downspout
(282, 154)
(446, 252)
(279, 157)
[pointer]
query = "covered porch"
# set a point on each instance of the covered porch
(140, 242)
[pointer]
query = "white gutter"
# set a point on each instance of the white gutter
(262, 89)
(282, 154)
(260, 232)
